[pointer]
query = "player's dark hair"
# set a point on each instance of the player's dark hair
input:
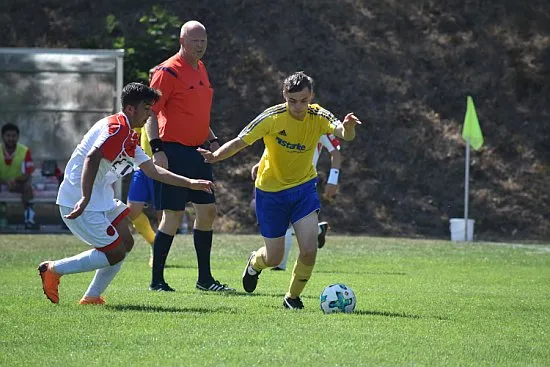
(135, 93)
(297, 82)
(9, 127)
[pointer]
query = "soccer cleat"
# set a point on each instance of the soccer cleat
(161, 287)
(250, 276)
(278, 268)
(87, 300)
(293, 303)
(321, 237)
(50, 281)
(215, 286)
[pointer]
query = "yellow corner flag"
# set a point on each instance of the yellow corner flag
(471, 130)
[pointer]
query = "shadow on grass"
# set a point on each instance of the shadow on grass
(359, 272)
(147, 308)
(178, 266)
(395, 314)
(255, 294)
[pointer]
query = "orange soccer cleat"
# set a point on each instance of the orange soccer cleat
(87, 300)
(50, 281)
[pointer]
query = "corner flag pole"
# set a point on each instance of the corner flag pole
(471, 133)
(466, 188)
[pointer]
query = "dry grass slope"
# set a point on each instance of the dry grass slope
(405, 67)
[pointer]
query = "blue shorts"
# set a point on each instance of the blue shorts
(184, 161)
(141, 188)
(275, 210)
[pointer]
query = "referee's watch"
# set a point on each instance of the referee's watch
(215, 140)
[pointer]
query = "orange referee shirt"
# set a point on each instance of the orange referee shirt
(183, 111)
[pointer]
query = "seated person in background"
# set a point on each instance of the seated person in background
(16, 168)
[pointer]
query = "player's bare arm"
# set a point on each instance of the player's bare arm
(12, 184)
(227, 150)
(346, 130)
(152, 130)
(89, 172)
(160, 174)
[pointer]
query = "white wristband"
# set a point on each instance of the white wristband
(333, 176)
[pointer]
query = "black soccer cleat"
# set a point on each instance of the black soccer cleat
(214, 286)
(161, 287)
(293, 303)
(278, 268)
(321, 237)
(250, 276)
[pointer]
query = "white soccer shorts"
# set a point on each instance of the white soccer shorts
(97, 228)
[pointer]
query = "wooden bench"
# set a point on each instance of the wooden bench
(40, 197)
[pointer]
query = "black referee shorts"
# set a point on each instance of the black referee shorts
(185, 161)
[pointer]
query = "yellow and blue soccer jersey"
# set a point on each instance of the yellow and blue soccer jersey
(289, 145)
(144, 141)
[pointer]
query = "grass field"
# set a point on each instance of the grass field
(419, 302)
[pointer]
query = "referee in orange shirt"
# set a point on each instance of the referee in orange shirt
(179, 124)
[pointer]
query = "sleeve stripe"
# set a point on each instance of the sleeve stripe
(269, 112)
(334, 141)
(170, 71)
(324, 113)
(113, 145)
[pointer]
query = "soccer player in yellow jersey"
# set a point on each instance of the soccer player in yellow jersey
(285, 183)
(141, 192)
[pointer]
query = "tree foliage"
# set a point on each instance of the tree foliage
(155, 39)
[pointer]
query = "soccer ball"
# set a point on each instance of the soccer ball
(337, 298)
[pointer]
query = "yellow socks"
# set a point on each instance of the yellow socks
(258, 262)
(300, 276)
(143, 226)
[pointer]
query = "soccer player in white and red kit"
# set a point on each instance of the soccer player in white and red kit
(108, 151)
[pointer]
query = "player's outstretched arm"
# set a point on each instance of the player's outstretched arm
(346, 130)
(160, 174)
(230, 148)
(89, 172)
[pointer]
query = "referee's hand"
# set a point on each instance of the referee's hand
(207, 155)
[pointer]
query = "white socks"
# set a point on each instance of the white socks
(83, 262)
(102, 279)
(88, 261)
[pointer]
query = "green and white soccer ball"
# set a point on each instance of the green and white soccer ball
(337, 298)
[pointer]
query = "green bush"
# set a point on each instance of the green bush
(155, 40)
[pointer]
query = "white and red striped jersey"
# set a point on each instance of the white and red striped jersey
(330, 142)
(118, 142)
